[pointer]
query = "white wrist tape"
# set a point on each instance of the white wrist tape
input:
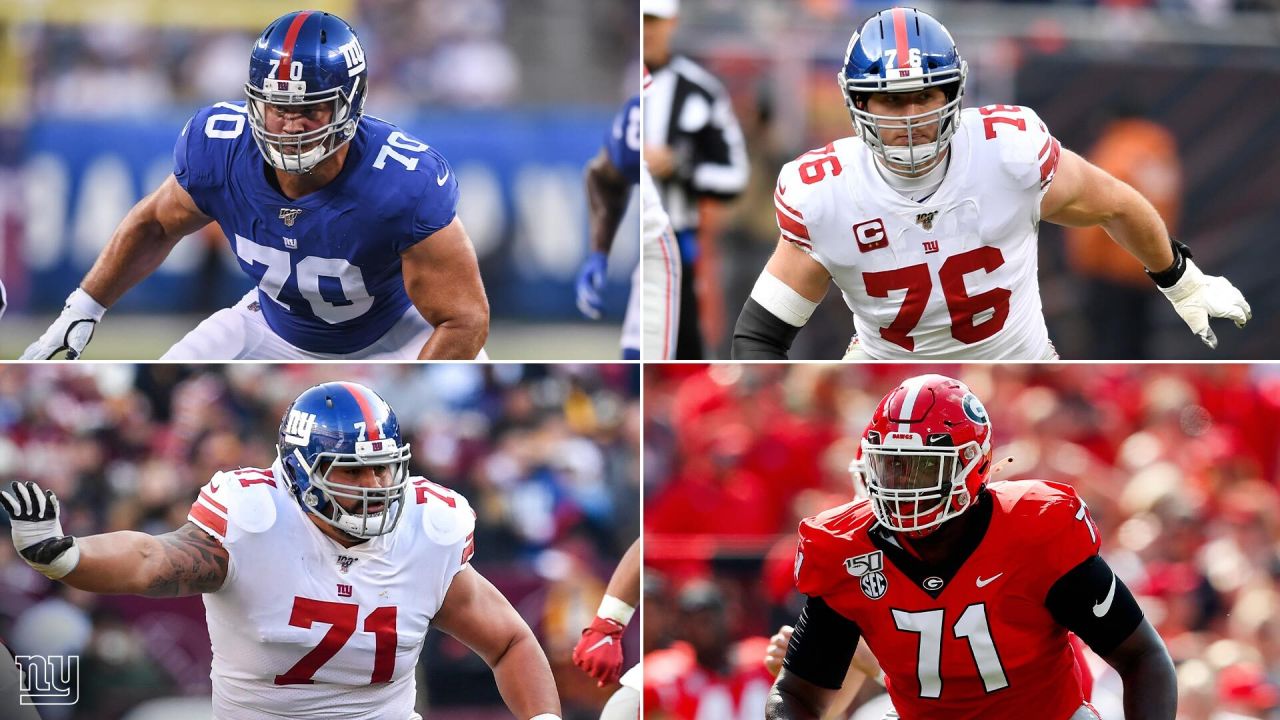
(778, 298)
(545, 716)
(83, 304)
(614, 609)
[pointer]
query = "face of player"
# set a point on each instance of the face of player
(298, 120)
(362, 477)
(657, 40)
(905, 105)
(910, 472)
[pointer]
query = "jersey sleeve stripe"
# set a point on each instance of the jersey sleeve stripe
(1050, 165)
(469, 549)
(778, 201)
(208, 499)
(208, 521)
(792, 228)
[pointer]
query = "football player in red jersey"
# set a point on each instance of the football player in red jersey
(964, 590)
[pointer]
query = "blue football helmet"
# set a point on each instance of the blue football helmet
(345, 424)
(903, 50)
(304, 58)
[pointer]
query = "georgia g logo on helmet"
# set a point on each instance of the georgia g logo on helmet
(973, 409)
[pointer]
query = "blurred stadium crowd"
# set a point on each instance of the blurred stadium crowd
(421, 52)
(547, 456)
(1178, 464)
(1132, 85)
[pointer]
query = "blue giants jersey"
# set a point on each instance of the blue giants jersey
(327, 265)
(623, 141)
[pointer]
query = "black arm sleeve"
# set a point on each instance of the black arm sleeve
(822, 645)
(1085, 602)
(761, 335)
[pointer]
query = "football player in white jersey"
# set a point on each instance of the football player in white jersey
(926, 218)
(321, 574)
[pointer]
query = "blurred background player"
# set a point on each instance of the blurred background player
(610, 176)
(95, 100)
(546, 454)
(599, 651)
(337, 493)
(1176, 464)
(655, 293)
(408, 288)
(695, 150)
(919, 163)
(707, 673)
(777, 63)
(1117, 294)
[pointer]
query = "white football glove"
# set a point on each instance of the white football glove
(71, 331)
(37, 533)
(1197, 297)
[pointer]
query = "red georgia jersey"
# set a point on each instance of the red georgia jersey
(978, 644)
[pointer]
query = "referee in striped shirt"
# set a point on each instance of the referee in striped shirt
(695, 152)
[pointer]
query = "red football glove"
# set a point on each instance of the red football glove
(599, 652)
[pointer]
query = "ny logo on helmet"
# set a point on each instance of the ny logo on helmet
(354, 55)
(297, 431)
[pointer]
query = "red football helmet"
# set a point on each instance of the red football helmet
(925, 454)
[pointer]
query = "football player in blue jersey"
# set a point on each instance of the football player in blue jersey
(347, 224)
(610, 177)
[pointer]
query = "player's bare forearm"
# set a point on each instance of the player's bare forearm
(442, 278)
(607, 194)
(459, 338)
(524, 678)
(624, 584)
(142, 241)
(1084, 195)
(480, 617)
(1150, 681)
(186, 561)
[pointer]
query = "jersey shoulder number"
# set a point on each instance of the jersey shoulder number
(1027, 151)
(236, 501)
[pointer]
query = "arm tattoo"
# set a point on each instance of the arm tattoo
(193, 563)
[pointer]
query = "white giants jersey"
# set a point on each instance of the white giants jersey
(307, 628)
(951, 277)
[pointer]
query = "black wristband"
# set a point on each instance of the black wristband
(1167, 277)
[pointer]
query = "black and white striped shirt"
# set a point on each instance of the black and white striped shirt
(689, 110)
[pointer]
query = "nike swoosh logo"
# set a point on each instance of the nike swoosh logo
(983, 582)
(606, 640)
(440, 180)
(1101, 608)
(213, 488)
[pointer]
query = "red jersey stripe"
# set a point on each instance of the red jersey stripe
(290, 39)
(208, 520)
(206, 497)
(777, 199)
(791, 226)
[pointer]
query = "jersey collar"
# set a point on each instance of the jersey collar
(918, 570)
